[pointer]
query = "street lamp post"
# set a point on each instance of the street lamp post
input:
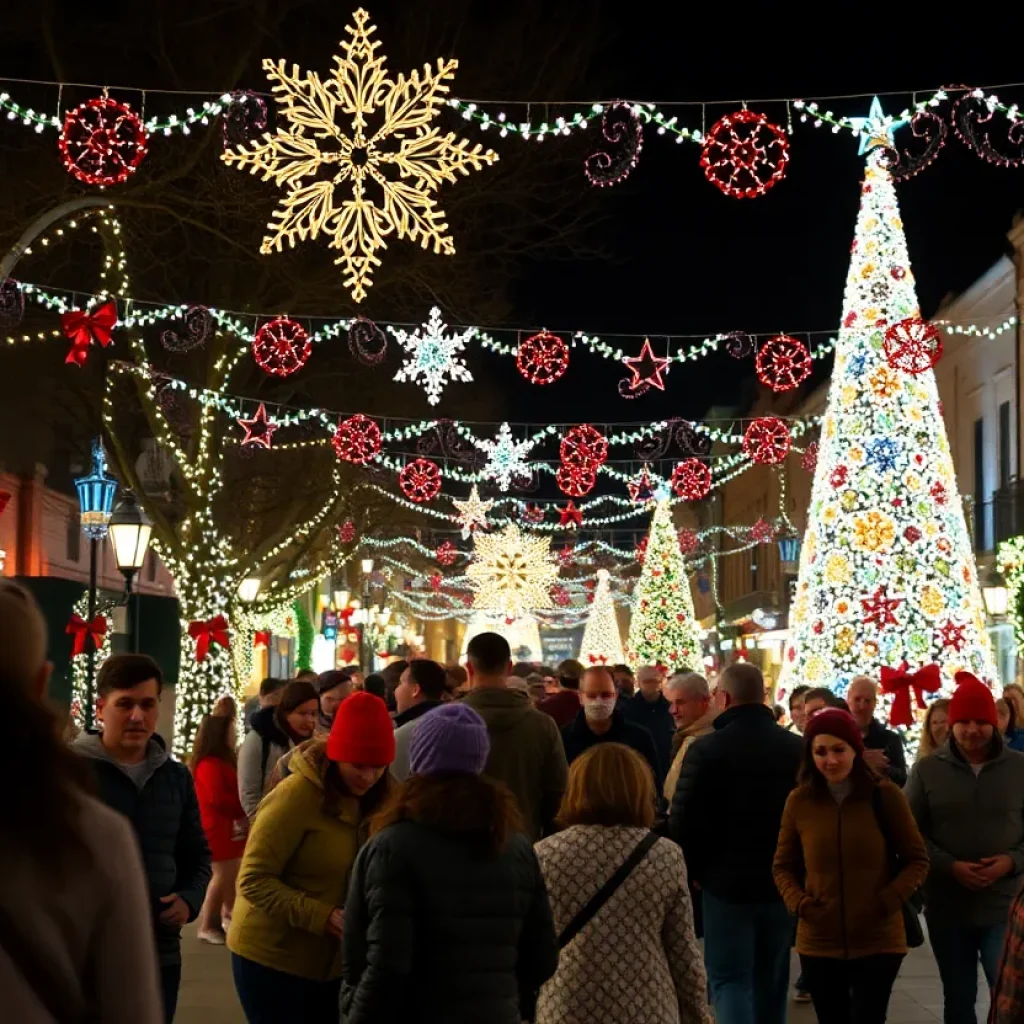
(130, 529)
(96, 501)
(367, 567)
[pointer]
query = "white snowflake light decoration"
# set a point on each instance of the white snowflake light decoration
(472, 512)
(512, 572)
(433, 358)
(326, 168)
(506, 458)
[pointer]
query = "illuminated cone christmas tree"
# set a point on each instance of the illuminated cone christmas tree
(602, 644)
(886, 569)
(662, 631)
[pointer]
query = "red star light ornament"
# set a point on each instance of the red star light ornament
(646, 369)
(570, 516)
(259, 430)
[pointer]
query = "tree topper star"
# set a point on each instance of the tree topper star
(432, 355)
(472, 512)
(877, 129)
(506, 458)
(259, 430)
(404, 158)
(646, 368)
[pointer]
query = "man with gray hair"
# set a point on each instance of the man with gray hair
(690, 704)
(726, 813)
(883, 748)
(649, 709)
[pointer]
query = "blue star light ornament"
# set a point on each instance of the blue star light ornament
(877, 129)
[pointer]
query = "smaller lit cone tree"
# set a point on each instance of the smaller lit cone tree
(602, 644)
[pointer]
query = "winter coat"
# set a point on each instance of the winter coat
(90, 934)
(834, 870)
(728, 803)
(656, 718)
(440, 932)
(294, 873)
(1015, 740)
(224, 820)
(704, 726)
(526, 753)
(405, 726)
(563, 706)
(964, 816)
(260, 751)
(578, 737)
(880, 738)
(1007, 1003)
(164, 812)
(637, 959)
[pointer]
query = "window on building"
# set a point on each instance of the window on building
(1004, 444)
(74, 539)
(980, 518)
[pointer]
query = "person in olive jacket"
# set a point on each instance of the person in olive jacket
(447, 919)
(843, 830)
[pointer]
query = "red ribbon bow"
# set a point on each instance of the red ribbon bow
(213, 631)
(81, 630)
(85, 328)
(345, 617)
(899, 682)
(598, 659)
(262, 638)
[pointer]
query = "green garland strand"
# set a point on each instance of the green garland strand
(304, 655)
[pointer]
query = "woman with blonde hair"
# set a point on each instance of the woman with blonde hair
(614, 885)
(935, 728)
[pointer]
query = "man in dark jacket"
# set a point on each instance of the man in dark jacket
(137, 777)
(421, 689)
(726, 813)
(883, 747)
(649, 709)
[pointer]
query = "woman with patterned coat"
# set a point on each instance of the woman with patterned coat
(636, 958)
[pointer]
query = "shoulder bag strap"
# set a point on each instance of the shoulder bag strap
(601, 897)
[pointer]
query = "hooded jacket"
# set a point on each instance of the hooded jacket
(163, 810)
(526, 753)
(260, 751)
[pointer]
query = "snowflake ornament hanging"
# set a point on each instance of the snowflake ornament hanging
(472, 512)
(432, 355)
(506, 458)
(512, 572)
(327, 168)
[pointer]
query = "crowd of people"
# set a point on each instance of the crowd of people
(503, 843)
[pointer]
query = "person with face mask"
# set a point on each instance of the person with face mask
(599, 721)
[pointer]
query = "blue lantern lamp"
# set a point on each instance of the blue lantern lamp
(789, 551)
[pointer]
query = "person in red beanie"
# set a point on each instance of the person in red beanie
(285, 934)
(842, 830)
(968, 798)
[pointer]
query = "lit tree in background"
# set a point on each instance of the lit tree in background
(886, 570)
(602, 644)
(662, 630)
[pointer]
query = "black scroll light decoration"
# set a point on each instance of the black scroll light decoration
(624, 134)
(367, 342)
(196, 325)
(971, 114)
(932, 128)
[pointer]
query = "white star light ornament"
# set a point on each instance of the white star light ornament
(506, 458)
(432, 355)
(512, 572)
(472, 512)
(877, 129)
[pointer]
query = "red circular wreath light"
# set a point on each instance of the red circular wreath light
(688, 541)
(576, 481)
(543, 358)
(744, 154)
(767, 440)
(446, 553)
(584, 447)
(783, 363)
(281, 347)
(102, 142)
(420, 480)
(357, 440)
(691, 480)
(912, 345)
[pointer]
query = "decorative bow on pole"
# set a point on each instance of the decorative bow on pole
(212, 631)
(899, 682)
(85, 328)
(345, 617)
(262, 638)
(82, 630)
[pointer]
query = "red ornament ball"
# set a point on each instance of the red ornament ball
(420, 480)
(691, 480)
(281, 347)
(446, 553)
(783, 363)
(767, 440)
(744, 154)
(575, 481)
(809, 459)
(912, 345)
(435, 581)
(561, 596)
(533, 514)
(762, 532)
(102, 142)
(688, 541)
(898, 273)
(584, 446)
(357, 440)
(543, 358)
(347, 532)
(912, 534)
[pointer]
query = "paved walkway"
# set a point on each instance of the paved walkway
(208, 993)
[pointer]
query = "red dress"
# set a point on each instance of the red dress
(224, 821)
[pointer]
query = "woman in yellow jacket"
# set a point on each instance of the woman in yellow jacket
(285, 934)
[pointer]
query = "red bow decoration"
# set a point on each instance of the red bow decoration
(85, 328)
(899, 682)
(81, 630)
(213, 631)
(345, 617)
(262, 638)
(596, 659)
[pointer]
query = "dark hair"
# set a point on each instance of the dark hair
(455, 677)
(374, 683)
(296, 693)
(623, 669)
(212, 741)
(570, 672)
(125, 672)
(332, 678)
(798, 692)
(825, 694)
(429, 677)
(861, 776)
(522, 669)
(483, 811)
(779, 712)
(271, 685)
(392, 673)
(1011, 725)
(489, 653)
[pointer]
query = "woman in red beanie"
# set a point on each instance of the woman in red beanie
(849, 856)
(285, 937)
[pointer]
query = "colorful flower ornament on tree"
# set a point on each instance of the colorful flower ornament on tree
(744, 154)
(575, 481)
(259, 430)
(783, 363)
(420, 480)
(542, 358)
(912, 345)
(281, 346)
(102, 142)
(584, 446)
(446, 553)
(620, 125)
(767, 440)
(357, 440)
(84, 329)
(691, 480)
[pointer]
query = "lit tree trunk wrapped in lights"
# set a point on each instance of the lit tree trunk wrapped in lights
(602, 644)
(886, 569)
(663, 630)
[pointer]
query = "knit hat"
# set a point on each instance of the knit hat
(451, 738)
(362, 732)
(972, 701)
(838, 723)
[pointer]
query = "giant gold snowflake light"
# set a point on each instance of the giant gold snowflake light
(512, 572)
(405, 158)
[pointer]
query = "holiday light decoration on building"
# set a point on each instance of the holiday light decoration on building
(662, 630)
(433, 357)
(506, 457)
(512, 572)
(472, 513)
(887, 573)
(404, 158)
(602, 644)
